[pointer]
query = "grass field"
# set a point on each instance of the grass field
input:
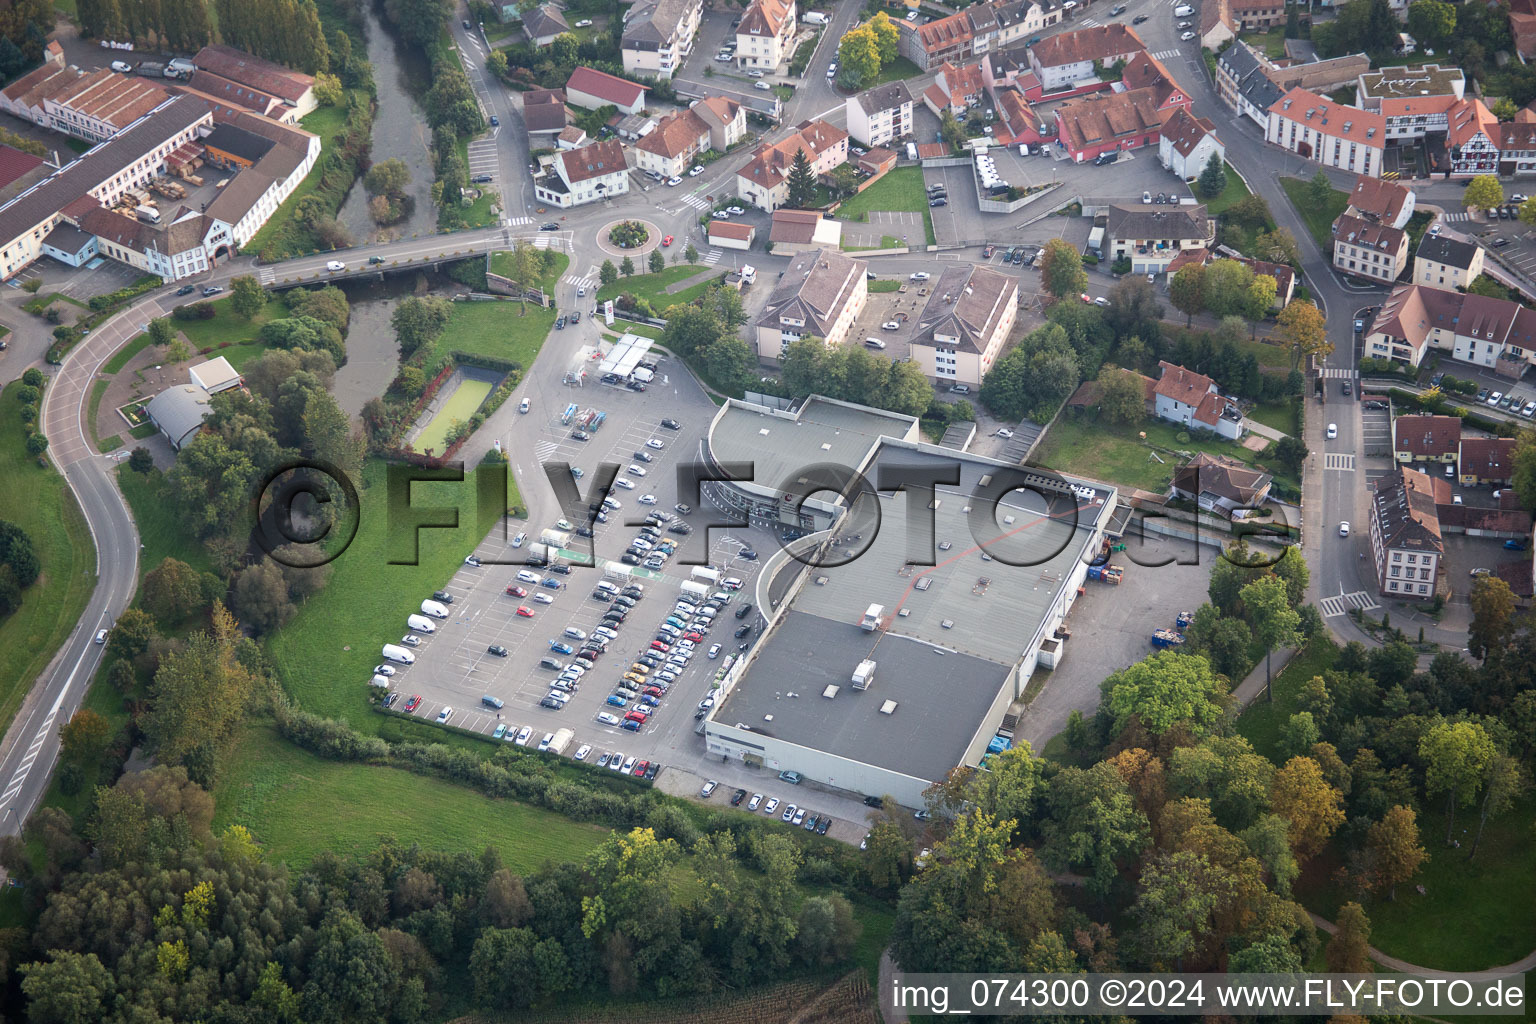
(99, 388)
(1104, 451)
(1261, 722)
(1234, 191)
(465, 399)
(900, 191)
(323, 655)
(1270, 43)
(502, 329)
(160, 530)
(898, 70)
(1319, 219)
(38, 501)
(298, 805)
(1275, 415)
(653, 287)
(884, 286)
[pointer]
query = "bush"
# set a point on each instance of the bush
(144, 284)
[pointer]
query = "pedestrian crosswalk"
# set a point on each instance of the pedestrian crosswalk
(543, 241)
(1340, 604)
(1168, 54)
(513, 222)
(1338, 373)
(1455, 218)
(712, 257)
(1339, 461)
(697, 202)
(265, 276)
(579, 282)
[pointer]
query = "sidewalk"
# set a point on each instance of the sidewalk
(1252, 686)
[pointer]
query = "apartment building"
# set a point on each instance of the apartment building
(1499, 334)
(658, 36)
(1257, 15)
(977, 30)
(764, 180)
(964, 324)
(880, 116)
(1406, 545)
(1427, 442)
(1068, 58)
(1318, 129)
(1365, 249)
(725, 119)
(820, 295)
(1382, 202)
(584, 175)
(670, 148)
(1151, 237)
(765, 35)
(1250, 84)
(1449, 263)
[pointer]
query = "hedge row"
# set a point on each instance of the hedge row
(144, 284)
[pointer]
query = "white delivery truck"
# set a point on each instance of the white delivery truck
(148, 214)
(643, 375)
(706, 574)
(436, 609)
(696, 590)
(561, 741)
(814, 18)
(398, 654)
(421, 624)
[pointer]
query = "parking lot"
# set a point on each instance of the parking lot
(900, 307)
(1376, 428)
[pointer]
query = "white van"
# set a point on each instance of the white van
(436, 609)
(421, 624)
(399, 655)
(874, 343)
(528, 577)
(606, 587)
(1183, 11)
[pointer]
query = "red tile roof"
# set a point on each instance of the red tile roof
(1181, 385)
(1326, 117)
(1378, 199)
(731, 229)
(764, 18)
(239, 66)
(14, 163)
(1488, 458)
(1185, 131)
(1426, 437)
(618, 91)
(675, 134)
(1087, 44)
(593, 161)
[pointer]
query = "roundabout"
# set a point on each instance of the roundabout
(653, 236)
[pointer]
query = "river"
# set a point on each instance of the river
(400, 132)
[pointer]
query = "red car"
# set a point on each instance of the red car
(657, 645)
(694, 636)
(666, 241)
(413, 703)
(640, 768)
(524, 611)
(653, 691)
(517, 591)
(635, 716)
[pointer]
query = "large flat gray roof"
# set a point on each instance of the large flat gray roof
(940, 697)
(781, 444)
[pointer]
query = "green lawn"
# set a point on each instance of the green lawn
(502, 329)
(226, 327)
(899, 70)
(653, 287)
(884, 286)
(160, 529)
(1234, 191)
(298, 805)
(477, 214)
(121, 356)
(325, 122)
(1115, 454)
(44, 507)
(323, 655)
(1275, 415)
(465, 399)
(1261, 722)
(1319, 219)
(900, 191)
(98, 388)
(1271, 43)
(1470, 916)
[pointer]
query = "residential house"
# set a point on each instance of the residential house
(670, 149)
(1522, 27)
(954, 89)
(820, 295)
(294, 88)
(1499, 334)
(584, 175)
(1285, 279)
(1258, 15)
(764, 180)
(962, 328)
(880, 116)
(765, 35)
(1365, 249)
(725, 119)
(979, 29)
(658, 36)
(1473, 139)
(215, 375)
(799, 230)
(1217, 25)
(1445, 262)
(1486, 462)
(594, 90)
(1250, 83)
(1316, 128)
(178, 413)
(1151, 236)
(545, 112)
(1186, 144)
(1017, 120)
(1067, 58)
(1425, 440)
(1221, 484)
(543, 23)
(1406, 545)
(1102, 122)
(1184, 396)
(729, 234)
(1381, 202)
(572, 137)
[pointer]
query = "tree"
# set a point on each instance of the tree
(627, 267)
(1504, 109)
(526, 265)
(1320, 190)
(1291, 568)
(172, 591)
(418, 321)
(608, 273)
(36, 444)
(1303, 329)
(1123, 397)
(1393, 843)
(161, 332)
(887, 37)
(692, 330)
(1274, 621)
(140, 460)
(1349, 950)
(1502, 785)
(1013, 785)
(496, 61)
(83, 739)
(1186, 290)
(858, 57)
(1093, 824)
(388, 178)
(1306, 800)
(951, 130)
(68, 988)
(825, 930)
(199, 693)
(1213, 180)
(1493, 607)
(1456, 758)
(658, 262)
(730, 308)
(1163, 690)
(1227, 284)
(1483, 192)
(1134, 310)
(802, 183)
(1061, 269)
(328, 90)
(1178, 896)
(1431, 23)
(1277, 246)
(731, 363)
